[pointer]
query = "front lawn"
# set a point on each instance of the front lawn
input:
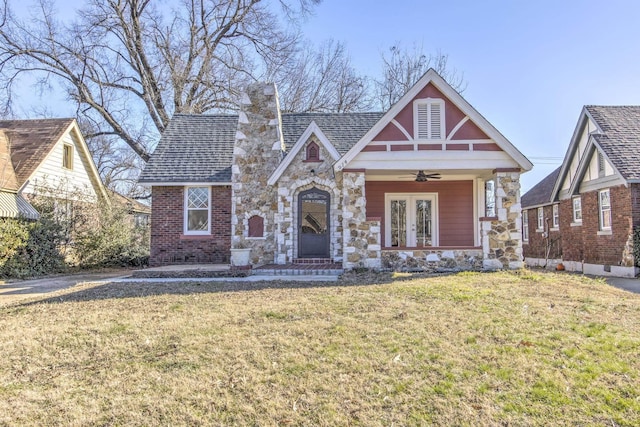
(522, 348)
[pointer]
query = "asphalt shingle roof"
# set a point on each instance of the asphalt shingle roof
(344, 130)
(620, 139)
(540, 194)
(194, 148)
(199, 148)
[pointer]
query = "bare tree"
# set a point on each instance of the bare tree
(130, 64)
(402, 68)
(322, 80)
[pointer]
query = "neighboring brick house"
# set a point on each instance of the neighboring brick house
(428, 183)
(584, 213)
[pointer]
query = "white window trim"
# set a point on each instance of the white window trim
(525, 225)
(555, 216)
(540, 220)
(429, 102)
(601, 227)
(573, 211)
(435, 233)
(186, 213)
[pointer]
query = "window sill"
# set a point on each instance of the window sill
(576, 224)
(312, 161)
(196, 237)
(539, 230)
(488, 218)
(604, 233)
(554, 229)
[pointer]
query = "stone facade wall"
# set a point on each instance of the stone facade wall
(258, 150)
(502, 236)
(299, 176)
(170, 246)
(432, 260)
(362, 237)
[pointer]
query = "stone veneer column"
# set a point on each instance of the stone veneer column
(257, 152)
(502, 238)
(361, 237)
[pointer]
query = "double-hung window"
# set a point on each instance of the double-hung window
(604, 205)
(577, 209)
(197, 202)
(490, 198)
(428, 119)
(525, 225)
(556, 216)
(540, 225)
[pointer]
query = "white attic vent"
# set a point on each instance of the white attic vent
(429, 118)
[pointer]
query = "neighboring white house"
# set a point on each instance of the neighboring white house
(52, 154)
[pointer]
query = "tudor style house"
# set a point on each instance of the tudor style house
(428, 183)
(44, 157)
(584, 213)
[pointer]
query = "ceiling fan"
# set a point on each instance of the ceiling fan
(424, 177)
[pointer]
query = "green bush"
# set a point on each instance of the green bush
(30, 248)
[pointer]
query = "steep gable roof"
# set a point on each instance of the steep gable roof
(31, 141)
(199, 148)
(193, 148)
(432, 77)
(542, 192)
(620, 137)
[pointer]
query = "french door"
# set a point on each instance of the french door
(411, 220)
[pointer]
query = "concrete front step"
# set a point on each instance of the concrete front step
(326, 269)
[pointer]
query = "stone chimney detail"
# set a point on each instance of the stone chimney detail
(257, 152)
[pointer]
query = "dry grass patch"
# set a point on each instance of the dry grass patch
(468, 349)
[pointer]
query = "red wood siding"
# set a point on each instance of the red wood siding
(455, 205)
(391, 133)
(453, 116)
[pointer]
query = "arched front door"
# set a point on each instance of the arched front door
(313, 224)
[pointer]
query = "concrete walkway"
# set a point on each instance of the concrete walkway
(631, 285)
(22, 289)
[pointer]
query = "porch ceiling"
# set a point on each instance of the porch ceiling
(408, 174)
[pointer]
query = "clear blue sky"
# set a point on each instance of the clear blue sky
(530, 66)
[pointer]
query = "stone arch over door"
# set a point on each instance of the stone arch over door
(314, 223)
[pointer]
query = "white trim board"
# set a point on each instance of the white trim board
(312, 129)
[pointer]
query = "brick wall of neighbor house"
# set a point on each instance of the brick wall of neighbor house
(581, 243)
(537, 245)
(169, 245)
(607, 249)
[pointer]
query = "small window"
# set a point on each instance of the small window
(556, 216)
(429, 119)
(540, 219)
(197, 209)
(256, 226)
(490, 198)
(525, 225)
(605, 209)
(313, 152)
(67, 156)
(577, 209)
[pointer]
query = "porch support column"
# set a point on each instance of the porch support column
(502, 235)
(361, 237)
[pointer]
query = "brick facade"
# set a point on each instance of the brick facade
(583, 243)
(170, 245)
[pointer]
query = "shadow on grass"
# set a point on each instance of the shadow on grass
(115, 290)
